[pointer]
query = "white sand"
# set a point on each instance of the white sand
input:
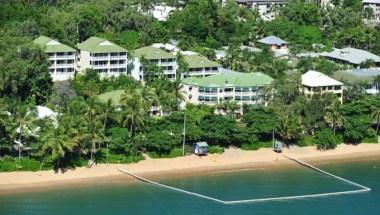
(231, 157)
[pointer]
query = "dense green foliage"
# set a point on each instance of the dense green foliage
(148, 118)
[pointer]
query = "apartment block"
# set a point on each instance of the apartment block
(62, 58)
(242, 88)
(103, 56)
(157, 56)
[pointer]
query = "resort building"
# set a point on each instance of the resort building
(351, 56)
(274, 42)
(200, 66)
(242, 88)
(369, 78)
(155, 55)
(375, 6)
(314, 82)
(277, 45)
(266, 8)
(102, 56)
(62, 58)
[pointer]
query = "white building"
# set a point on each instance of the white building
(266, 8)
(367, 78)
(316, 83)
(162, 12)
(62, 58)
(351, 56)
(375, 6)
(157, 55)
(199, 65)
(102, 56)
(277, 45)
(242, 88)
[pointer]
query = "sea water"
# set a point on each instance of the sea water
(142, 198)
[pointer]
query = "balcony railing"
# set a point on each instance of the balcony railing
(64, 57)
(98, 66)
(64, 65)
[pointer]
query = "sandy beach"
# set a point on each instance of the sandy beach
(231, 159)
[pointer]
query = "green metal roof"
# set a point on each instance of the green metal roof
(99, 45)
(151, 52)
(231, 79)
(350, 77)
(115, 97)
(51, 45)
(199, 61)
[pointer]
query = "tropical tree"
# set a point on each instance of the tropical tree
(134, 109)
(107, 115)
(288, 128)
(58, 141)
(22, 127)
(325, 139)
(333, 116)
(229, 108)
(376, 117)
(94, 134)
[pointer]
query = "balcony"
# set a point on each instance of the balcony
(69, 65)
(100, 66)
(63, 57)
(116, 65)
(99, 58)
(118, 57)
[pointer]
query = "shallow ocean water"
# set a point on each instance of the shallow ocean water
(141, 198)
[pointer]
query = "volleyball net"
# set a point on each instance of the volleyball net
(361, 188)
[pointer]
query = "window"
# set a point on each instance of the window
(245, 98)
(214, 99)
(238, 89)
(201, 98)
(254, 89)
(190, 88)
(245, 89)
(338, 87)
(237, 98)
(201, 89)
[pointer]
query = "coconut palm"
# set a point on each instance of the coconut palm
(376, 117)
(22, 127)
(107, 115)
(94, 133)
(334, 117)
(288, 128)
(134, 109)
(229, 108)
(57, 142)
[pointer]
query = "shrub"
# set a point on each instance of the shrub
(325, 139)
(306, 141)
(215, 149)
(256, 146)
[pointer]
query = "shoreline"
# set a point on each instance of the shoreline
(231, 160)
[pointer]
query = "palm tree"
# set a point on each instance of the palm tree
(94, 123)
(229, 108)
(288, 128)
(57, 142)
(22, 126)
(333, 116)
(107, 114)
(376, 117)
(133, 110)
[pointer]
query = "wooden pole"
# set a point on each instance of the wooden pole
(184, 134)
